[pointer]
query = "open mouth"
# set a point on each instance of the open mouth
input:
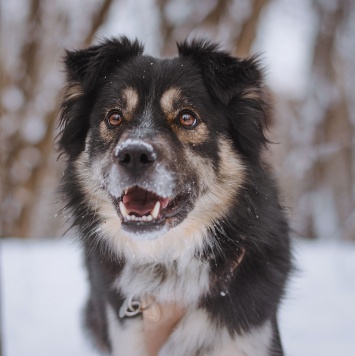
(139, 206)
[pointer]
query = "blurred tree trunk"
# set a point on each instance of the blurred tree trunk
(248, 32)
(318, 155)
(211, 23)
(332, 175)
(26, 198)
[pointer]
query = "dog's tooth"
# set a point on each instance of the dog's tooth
(144, 218)
(123, 210)
(149, 218)
(156, 210)
(166, 202)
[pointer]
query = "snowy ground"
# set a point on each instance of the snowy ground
(43, 291)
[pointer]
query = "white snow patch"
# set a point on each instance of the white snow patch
(318, 316)
(44, 291)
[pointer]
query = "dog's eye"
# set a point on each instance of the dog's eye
(114, 119)
(187, 119)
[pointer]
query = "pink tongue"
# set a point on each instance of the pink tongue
(140, 202)
(138, 209)
(138, 205)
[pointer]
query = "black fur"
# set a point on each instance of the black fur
(234, 103)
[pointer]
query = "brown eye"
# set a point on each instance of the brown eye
(114, 119)
(187, 119)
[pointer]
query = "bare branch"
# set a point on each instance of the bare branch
(247, 35)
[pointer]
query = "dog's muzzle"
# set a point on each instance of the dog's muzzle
(144, 187)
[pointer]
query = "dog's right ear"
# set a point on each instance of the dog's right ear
(86, 70)
(85, 66)
(238, 84)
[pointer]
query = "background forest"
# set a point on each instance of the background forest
(307, 46)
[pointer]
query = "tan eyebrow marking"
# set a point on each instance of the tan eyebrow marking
(127, 107)
(168, 101)
(130, 97)
(172, 101)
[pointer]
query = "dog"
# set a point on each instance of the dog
(185, 240)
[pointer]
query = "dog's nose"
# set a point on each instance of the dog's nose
(135, 156)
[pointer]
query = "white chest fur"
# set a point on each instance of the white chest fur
(183, 281)
(195, 334)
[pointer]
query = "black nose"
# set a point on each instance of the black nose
(135, 156)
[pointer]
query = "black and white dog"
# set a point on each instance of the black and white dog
(186, 243)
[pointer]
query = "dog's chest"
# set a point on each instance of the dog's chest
(195, 334)
(183, 281)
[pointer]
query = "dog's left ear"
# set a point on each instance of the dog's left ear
(86, 71)
(238, 85)
(87, 65)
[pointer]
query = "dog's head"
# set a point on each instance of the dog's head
(158, 149)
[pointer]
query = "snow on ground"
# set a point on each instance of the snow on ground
(318, 315)
(43, 292)
(44, 289)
